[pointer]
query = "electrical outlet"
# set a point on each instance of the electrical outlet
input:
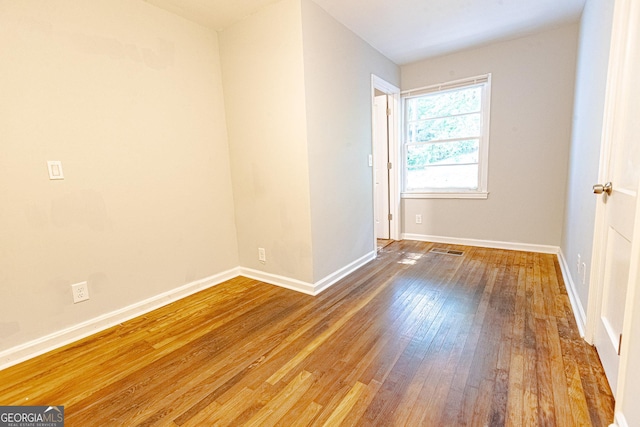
(262, 255)
(418, 219)
(80, 292)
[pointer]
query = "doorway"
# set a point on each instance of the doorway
(381, 166)
(385, 99)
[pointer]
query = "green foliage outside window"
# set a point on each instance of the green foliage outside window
(443, 128)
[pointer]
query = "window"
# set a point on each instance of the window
(446, 139)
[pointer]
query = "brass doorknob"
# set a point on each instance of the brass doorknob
(606, 188)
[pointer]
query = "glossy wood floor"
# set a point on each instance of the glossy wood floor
(381, 243)
(412, 339)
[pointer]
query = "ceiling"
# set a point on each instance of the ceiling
(407, 30)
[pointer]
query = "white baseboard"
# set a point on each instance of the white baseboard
(332, 278)
(619, 420)
(31, 349)
(274, 279)
(527, 247)
(574, 298)
(306, 287)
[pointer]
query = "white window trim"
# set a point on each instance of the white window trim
(473, 194)
(483, 161)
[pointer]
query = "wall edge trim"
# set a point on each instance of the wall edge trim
(277, 280)
(574, 298)
(340, 274)
(52, 341)
(619, 420)
(494, 244)
(22, 352)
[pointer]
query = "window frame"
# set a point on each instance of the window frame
(481, 192)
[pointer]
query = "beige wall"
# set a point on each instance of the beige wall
(129, 98)
(299, 118)
(532, 97)
(338, 68)
(263, 78)
(591, 78)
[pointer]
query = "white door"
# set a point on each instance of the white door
(622, 169)
(381, 160)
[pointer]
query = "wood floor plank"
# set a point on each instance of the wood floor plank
(282, 402)
(222, 414)
(546, 408)
(558, 377)
(413, 338)
(345, 406)
(515, 397)
(305, 418)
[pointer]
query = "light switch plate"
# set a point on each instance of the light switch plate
(55, 169)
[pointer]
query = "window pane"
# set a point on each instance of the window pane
(446, 128)
(461, 101)
(445, 138)
(442, 153)
(464, 177)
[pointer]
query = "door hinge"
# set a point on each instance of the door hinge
(389, 165)
(388, 111)
(390, 217)
(619, 344)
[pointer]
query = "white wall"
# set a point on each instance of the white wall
(338, 67)
(593, 56)
(263, 74)
(129, 98)
(533, 81)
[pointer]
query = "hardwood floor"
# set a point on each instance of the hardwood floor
(412, 339)
(381, 243)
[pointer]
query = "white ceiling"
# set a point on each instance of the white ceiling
(408, 30)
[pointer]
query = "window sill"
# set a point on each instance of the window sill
(446, 195)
